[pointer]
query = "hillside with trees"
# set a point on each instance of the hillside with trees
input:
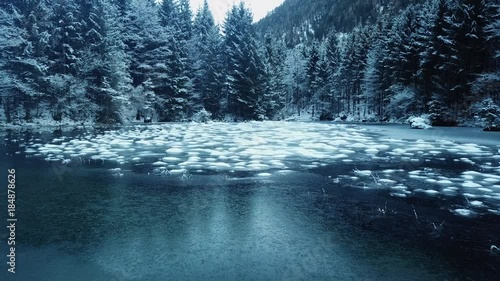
(439, 58)
(118, 61)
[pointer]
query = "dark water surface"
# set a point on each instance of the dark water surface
(83, 222)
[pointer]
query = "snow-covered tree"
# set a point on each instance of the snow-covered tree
(146, 46)
(332, 60)
(23, 62)
(295, 80)
(487, 83)
(174, 82)
(12, 39)
(243, 64)
(315, 80)
(272, 100)
(207, 63)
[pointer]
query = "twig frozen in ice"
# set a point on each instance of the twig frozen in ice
(374, 179)
(415, 212)
(383, 211)
(437, 229)
(185, 176)
(494, 249)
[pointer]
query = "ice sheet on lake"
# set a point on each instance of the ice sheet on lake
(265, 148)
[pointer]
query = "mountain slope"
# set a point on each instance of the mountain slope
(296, 20)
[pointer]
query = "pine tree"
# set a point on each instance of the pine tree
(406, 53)
(295, 80)
(146, 46)
(332, 61)
(403, 65)
(185, 20)
(12, 39)
(467, 26)
(24, 62)
(243, 64)
(359, 56)
(168, 13)
(486, 84)
(436, 60)
(314, 79)
(272, 100)
(176, 81)
(207, 62)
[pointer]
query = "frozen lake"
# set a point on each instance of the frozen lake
(255, 201)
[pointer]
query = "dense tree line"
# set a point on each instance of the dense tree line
(112, 61)
(439, 57)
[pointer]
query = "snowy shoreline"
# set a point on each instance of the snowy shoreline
(458, 134)
(392, 129)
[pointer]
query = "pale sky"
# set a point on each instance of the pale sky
(219, 8)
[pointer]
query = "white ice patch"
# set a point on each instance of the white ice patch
(174, 150)
(470, 184)
(363, 173)
(431, 192)
(399, 187)
(171, 159)
(372, 151)
(451, 191)
(464, 212)
(176, 172)
(397, 194)
(467, 160)
(444, 182)
(386, 181)
(476, 203)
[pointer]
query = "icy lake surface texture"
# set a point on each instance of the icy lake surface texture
(266, 149)
(255, 201)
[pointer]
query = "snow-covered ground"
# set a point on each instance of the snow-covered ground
(46, 122)
(266, 149)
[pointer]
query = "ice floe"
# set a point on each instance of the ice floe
(464, 212)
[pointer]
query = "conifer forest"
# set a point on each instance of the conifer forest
(119, 61)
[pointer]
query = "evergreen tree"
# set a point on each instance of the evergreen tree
(104, 63)
(467, 29)
(175, 84)
(332, 61)
(243, 64)
(185, 20)
(207, 62)
(24, 63)
(146, 46)
(295, 80)
(359, 57)
(486, 84)
(273, 98)
(372, 78)
(435, 65)
(314, 79)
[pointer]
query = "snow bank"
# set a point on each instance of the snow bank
(419, 122)
(44, 122)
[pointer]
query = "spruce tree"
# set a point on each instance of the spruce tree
(207, 62)
(243, 64)
(24, 63)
